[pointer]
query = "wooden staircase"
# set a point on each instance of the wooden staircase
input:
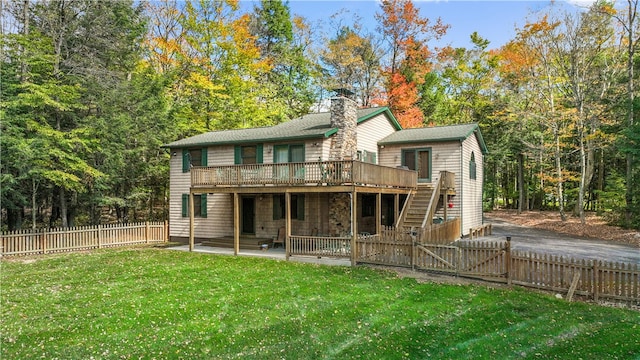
(421, 206)
(418, 207)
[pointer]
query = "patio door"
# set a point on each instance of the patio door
(420, 161)
(248, 215)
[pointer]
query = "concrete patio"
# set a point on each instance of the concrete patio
(271, 253)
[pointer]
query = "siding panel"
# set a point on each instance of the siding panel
(472, 189)
(371, 131)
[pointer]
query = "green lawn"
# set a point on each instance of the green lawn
(152, 303)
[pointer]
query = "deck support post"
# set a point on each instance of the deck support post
(354, 226)
(287, 213)
(236, 223)
(191, 222)
(396, 208)
(378, 213)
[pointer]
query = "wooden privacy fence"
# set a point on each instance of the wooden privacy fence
(29, 242)
(496, 261)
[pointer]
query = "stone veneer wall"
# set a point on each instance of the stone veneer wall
(339, 214)
(344, 145)
(344, 116)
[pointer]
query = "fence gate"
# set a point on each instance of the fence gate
(436, 257)
(486, 260)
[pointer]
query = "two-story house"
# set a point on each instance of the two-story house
(323, 177)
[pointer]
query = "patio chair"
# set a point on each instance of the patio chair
(280, 238)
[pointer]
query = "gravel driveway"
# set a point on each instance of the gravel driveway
(549, 242)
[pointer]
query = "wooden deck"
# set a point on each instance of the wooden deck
(329, 173)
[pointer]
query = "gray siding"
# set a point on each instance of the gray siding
(217, 222)
(472, 188)
(371, 131)
(445, 156)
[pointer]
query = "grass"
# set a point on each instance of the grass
(156, 304)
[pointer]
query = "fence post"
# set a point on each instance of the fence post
(43, 241)
(146, 232)
(99, 236)
(596, 281)
(458, 259)
(507, 252)
(166, 231)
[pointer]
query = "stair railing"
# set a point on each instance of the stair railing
(433, 202)
(405, 209)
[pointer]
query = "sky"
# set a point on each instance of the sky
(495, 21)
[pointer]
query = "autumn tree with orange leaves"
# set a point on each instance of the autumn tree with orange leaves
(407, 35)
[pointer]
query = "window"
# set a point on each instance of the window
(199, 205)
(297, 207)
(368, 205)
(472, 167)
(248, 154)
(366, 156)
(193, 157)
(418, 160)
(288, 153)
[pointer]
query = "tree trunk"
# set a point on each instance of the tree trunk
(520, 183)
(34, 191)
(631, 49)
(63, 208)
(556, 137)
(583, 171)
(14, 219)
(600, 185)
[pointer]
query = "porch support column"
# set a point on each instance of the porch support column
(354, 226)
(236, 223)
(379, 213)
(396, 208)
(191, 222)
(287, 216)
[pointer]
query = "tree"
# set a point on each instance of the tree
(630, 39)
(407, 35)
(586, 61)
(352, 61)
(290, 78)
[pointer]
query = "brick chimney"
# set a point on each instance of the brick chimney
(344, 116)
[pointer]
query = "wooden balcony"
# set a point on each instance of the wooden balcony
(305, 173)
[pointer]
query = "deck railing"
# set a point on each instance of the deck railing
(303, 173)
(320, 246)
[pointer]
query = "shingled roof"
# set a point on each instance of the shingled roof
(436, 134)
(311, 126)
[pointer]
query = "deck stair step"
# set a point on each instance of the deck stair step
(418, 207)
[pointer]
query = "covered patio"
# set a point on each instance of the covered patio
(271, 253)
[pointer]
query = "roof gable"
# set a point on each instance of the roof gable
(436, 134)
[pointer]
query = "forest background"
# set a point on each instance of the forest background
(91, 90)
